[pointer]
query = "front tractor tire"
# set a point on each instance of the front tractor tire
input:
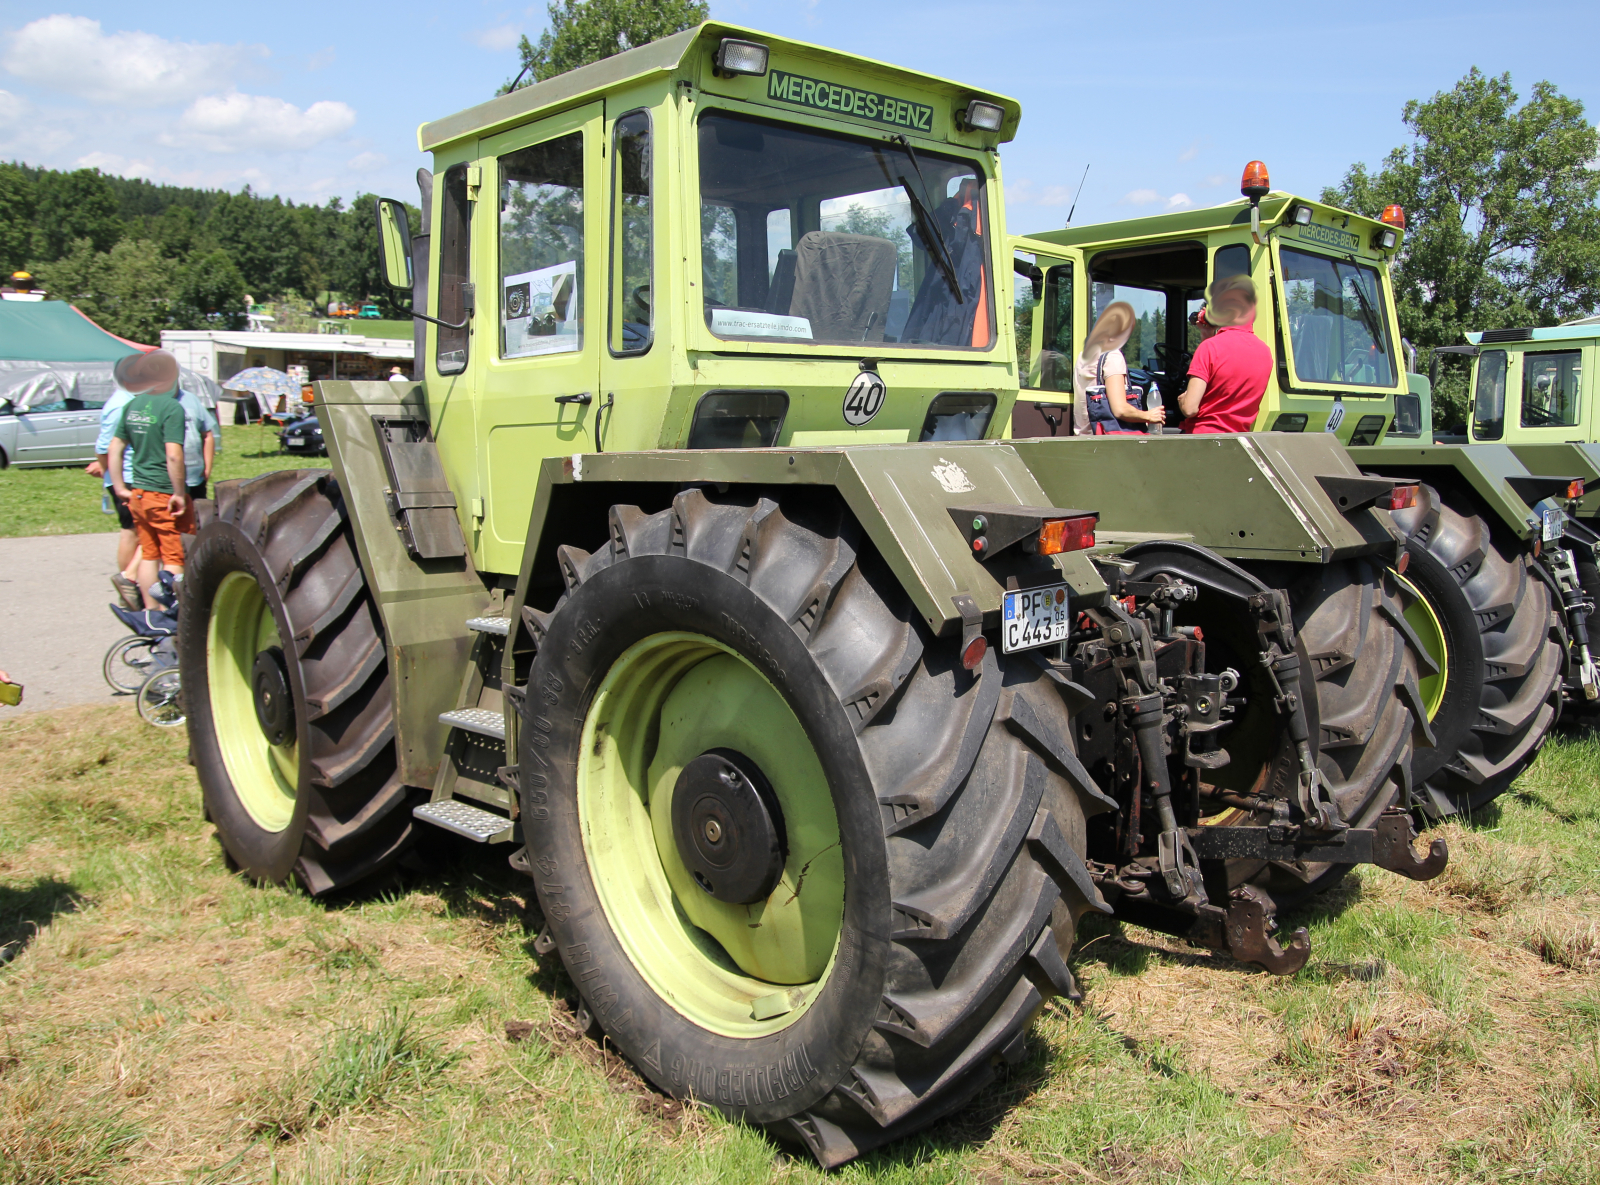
(1495, 630)
(799, 863)
(285, 674)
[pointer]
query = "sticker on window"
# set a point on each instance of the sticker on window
(541, 309)
(745, 323)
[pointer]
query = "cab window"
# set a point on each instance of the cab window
(455, 271)
(1052, 369)
(814, 237)
(541, 248)
(1337, 325)
(1489, 396)
(632, 318)
(1550, 388)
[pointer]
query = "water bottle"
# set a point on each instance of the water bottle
(105, 503)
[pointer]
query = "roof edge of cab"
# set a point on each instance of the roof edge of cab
(663, 57)
(1205, 218)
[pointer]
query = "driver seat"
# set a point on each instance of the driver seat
(843, 284)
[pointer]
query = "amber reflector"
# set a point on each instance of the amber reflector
(1393, 216)
(1575, 488)
(1255, 183)
(1066, 534)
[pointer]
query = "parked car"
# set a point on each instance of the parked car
(303, 436)
(62, 432)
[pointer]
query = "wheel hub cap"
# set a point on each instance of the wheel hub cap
(269, 683)
(728, 827)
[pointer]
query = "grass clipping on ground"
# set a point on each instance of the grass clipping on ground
(162, 1020)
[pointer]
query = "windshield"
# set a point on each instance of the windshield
(813, 237)
(1337, 326)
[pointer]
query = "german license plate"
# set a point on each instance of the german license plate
(294, 441)
(1034, 617)
(1554, 525)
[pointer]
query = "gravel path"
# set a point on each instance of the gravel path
(54, 624)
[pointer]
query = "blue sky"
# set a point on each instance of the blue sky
(1166, 102)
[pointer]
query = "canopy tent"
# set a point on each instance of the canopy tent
(54, 331)
(50, 353)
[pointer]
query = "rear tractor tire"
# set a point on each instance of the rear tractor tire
(1495, 630)
(286, 681)
(800, 864)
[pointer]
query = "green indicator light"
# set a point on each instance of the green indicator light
(977, 524)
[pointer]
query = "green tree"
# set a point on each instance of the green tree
(128, 290)
(262, 235)
(584, 31)
(72, 206)
(210, 293)
(16, 218)
(1502, 209)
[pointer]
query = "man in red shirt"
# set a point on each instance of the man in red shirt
(1229, 372)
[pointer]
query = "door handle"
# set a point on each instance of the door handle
(582, 398)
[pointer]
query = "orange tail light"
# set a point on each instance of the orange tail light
(1402, 497)
(1575, 489)
(1066, 534)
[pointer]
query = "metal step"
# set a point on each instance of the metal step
(478, 825)
(499, 626)
(479, 720)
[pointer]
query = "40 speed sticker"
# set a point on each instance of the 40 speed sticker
(864, 399)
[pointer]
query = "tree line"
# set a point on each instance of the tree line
(140, 257)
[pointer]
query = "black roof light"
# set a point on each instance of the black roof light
(741, 57)
(1300, 215)
(983, 117)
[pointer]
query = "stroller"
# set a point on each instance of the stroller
(146, 664)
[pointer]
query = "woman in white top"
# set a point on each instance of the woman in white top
(1102, 362)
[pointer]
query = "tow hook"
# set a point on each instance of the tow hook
(1393, 847)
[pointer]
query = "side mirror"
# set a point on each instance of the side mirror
(394, 243)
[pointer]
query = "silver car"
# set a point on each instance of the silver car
(36, 429)
(50, 414)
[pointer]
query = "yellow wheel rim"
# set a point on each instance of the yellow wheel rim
(740, 970)
(1424, 621)
(265, 777)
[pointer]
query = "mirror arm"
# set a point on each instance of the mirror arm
(461, 324)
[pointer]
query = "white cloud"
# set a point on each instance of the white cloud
(73, 54)
(496, 38)
(366, 162)
(1141, 197)
(1026, 193)
(120, 166)
(12, 110)
(1216, 179)
(1190, 152)
(237, 122)
(320, 60)
(1178, 201)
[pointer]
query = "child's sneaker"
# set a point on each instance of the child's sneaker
(128, 592)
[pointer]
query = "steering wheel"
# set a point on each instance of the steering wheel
(1166, 358)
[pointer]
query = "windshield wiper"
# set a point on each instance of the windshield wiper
(925, 222)
(1369, 316)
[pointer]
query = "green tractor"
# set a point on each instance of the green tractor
(695, 575)
(1495, 595)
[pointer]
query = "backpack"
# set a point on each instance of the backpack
(1101, 421)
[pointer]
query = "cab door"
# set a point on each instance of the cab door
(541, 232)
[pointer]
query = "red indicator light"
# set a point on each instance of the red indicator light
(1393, 216)
(973, 654)
(1575, 489)
(1402, 497)
(1404, 562)
(1057, 535)
(1255, 183)
(979, 544)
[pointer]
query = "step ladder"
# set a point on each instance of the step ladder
(474, 795)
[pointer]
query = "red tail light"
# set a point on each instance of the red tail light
(1066, 534)
(1393, 216)
(1255, 183)
(1575, 489)
(1402, 497)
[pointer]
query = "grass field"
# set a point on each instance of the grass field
(161, 1020)
(67, 501)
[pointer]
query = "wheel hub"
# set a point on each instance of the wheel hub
(728, 827)
(269, 685)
